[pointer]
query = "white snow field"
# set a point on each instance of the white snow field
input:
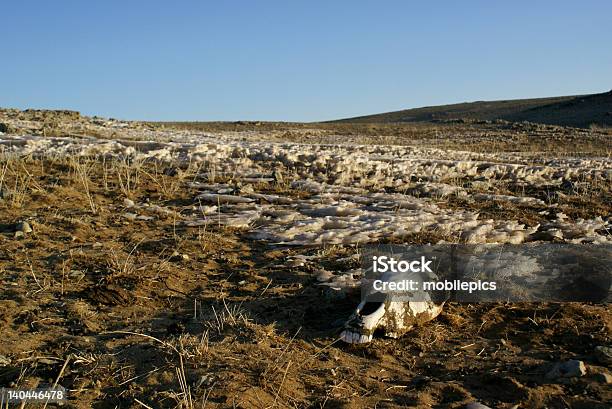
(343, 193)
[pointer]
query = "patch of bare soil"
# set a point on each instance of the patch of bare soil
(129, 311)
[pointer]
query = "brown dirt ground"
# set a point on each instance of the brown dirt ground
(115, 303)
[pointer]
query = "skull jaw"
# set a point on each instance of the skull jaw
(393, 318)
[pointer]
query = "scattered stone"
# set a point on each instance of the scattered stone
(248, 188)
(296, 262)
(324, 276)
(4, 361)
(476, 405)
(47, 361)
(205, 380)
(549, 235)
(128, 203)
(604, 354)
(76, 274)
(24, 227)
(207, 210)
(603, 378)
(569, 369)
(176, 256)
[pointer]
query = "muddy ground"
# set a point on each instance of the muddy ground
(125, 312)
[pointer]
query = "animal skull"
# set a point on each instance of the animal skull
(394, 318)
(391, 313)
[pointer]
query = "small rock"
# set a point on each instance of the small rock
(176, 256)
(604, 354)
(603, 378)
(207, 210)
(569, 369)
(47, 361)
(205, 380)
(324, 276)
(4, 361)
(24, 227)
(128, 203)
(76, 274)
(476, 405)
(552, 234)
(248, 188)
(297, 262)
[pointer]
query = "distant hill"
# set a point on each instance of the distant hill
(578, 111)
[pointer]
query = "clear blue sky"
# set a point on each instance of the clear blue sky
(296, 60)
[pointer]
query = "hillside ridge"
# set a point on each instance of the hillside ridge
(576, 110)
